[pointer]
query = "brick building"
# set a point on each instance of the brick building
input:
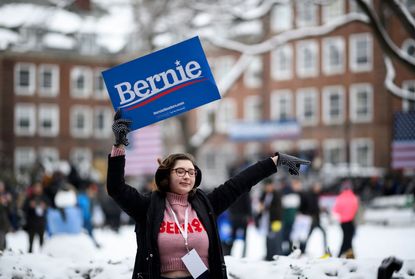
(329, 77)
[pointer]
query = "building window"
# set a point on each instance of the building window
(221, 66)
(24, 117)
(81, 157)
(334, 152)
(355, 8)
(48, 120)
(409, 47)
(24, 79)
(307, 106)
(409, 89)
(102, 122)
(306, 13)
(361, 52)
(81, 82)
(48, 156)
(226, 115)
(333, 10)
(307, 59)
(81, 121)
(100, 91)
(281, 105)
(282, 17)
(333, 58)
(333, 105)
(362, 152)
(24, 158)
(202, 115)
(253, 74)
(253, 108)
(361, 107)
(281, 65)
(48, 80)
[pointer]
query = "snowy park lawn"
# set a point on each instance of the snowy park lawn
(75, 256)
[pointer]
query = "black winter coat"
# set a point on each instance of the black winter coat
(147, 211)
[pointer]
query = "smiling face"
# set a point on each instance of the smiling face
(184, 184)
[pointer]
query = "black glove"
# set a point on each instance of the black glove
(293, 163)
(121, 127)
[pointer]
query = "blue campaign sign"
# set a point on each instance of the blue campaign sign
(162, 84)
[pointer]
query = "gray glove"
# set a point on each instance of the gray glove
(121, 127)
(293, 163)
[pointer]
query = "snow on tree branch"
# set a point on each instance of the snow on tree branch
(284, 37)
(389, 82)
(383, 37)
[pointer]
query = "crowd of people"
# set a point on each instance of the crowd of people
(288, 210)
(55, 204)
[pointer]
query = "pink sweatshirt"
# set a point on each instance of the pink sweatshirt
(170, 241)
(346, 206)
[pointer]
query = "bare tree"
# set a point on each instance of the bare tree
(217, 22)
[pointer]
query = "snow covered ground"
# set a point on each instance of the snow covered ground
(75, 256)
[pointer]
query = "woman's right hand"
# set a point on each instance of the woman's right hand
(120, 128)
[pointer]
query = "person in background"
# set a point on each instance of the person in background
(5, 200)
(269, 218)
(35, 207)
(345, 209)
(85, 198)
(309, 205)
(176, 228)
(290, 204)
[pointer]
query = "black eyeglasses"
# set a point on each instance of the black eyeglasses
(182, 172)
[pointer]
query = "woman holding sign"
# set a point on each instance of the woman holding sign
(176, 228)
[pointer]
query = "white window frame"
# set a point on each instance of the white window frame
(23, 157)
(357, 143)
(301, 95)
(28, 112)
(277, 110)
(356, 89)
(328, 67)
(48, 155)
(54, 88)
(254, 72)
(48, 112)
(81, 156)
(333, 10)
(405, 47)
(281, 71)
(86, 112)
(282, 17)
(407, 104)
(86, 91)
(226, 115)
(354, 7)
(301, 48)
(305, 9)
(99, 93)
(283, 145)
(221, 66)
(253, 108)
(355, 66)
(107, 114)
(28, 90)
(334, 144)
(328, 91)
(307, 144)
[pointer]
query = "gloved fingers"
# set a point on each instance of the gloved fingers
(126, 122)
(303, 162)
(117, 115)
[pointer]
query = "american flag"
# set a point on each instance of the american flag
(403, 144)
(144, 149)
